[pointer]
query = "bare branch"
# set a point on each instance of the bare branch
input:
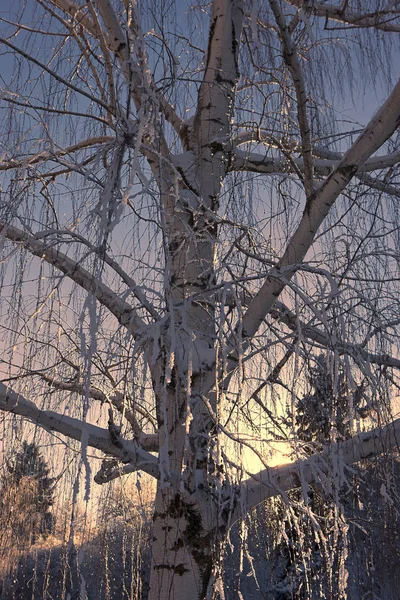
(127, 279)
(281, 313)
(53, 154)
(53, 74)
(78, 14)
(117, 42)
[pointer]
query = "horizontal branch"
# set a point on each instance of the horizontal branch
(281, 313)
(75, 429)
(53, 153)
(125, 314)
(278, 480)
(262, 163)
(147, 441)
(385, 20)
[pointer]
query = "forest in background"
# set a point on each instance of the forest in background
(48, 547)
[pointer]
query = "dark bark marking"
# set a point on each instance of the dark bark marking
(159, 515)
(121, 46)
(179, 543)
(178, 569)
(348, 171)
(173, 246)
(210, 39)
(186, 182)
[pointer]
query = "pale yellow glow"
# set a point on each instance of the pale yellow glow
(273, 454)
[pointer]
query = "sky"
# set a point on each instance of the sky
(360, 108)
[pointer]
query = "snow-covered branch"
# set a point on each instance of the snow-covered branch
(380, 128)
(386, 20)
(53, 153)
(281, 313)
(262, 163)
(97, 437)
(277, 480)
(146, 441)
(292, 60)
(125, 314)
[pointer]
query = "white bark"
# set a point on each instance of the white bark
(278, 480)
(181, 563)
(182, 557)
(380, 128)
(124, 313)
(127, 452)
(342, 13)
(188, 368)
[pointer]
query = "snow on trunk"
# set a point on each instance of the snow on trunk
(182, 557)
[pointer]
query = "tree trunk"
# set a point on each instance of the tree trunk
(184, 545)
(182, 554)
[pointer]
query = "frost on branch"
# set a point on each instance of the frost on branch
(192, 226)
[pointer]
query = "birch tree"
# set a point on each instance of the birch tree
(193, 203)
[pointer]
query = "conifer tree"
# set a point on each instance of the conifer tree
(27, 496)
(310, 522)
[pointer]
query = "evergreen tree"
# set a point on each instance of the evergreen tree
(324, 412)
(310, 523)
(27, 496)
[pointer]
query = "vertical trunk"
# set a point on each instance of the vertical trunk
(182, 550)
(183, 544)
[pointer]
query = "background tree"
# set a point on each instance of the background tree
(311, 542)
(330, 408)
(28, 465)
(311, 546)
(185, 219)
(26, 499)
